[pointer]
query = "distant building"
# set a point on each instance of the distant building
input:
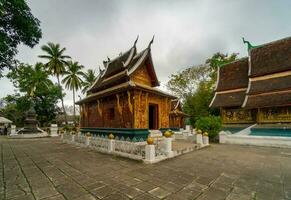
(256, 89)
(124, 98)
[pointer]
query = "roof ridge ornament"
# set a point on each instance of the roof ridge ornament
(136, 40)
(151, 42)
(249, 45)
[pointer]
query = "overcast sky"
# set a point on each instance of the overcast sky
(186, 32)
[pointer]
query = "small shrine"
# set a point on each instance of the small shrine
(125, 100)
(256, 89)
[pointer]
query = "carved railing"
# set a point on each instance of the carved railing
(80, 139)
(99, 143)
(130, 149)
(67, 137)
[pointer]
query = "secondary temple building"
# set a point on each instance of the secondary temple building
(125, 99)
(256, 89)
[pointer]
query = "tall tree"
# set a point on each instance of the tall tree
(17, 25)
(38, 88)
(72, 79)
(185, 82)
(29, 79)
(195, 85)
(217, 60)
(89, 79)
(56, 64)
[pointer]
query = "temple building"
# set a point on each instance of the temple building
(256, 89)
(125, 99)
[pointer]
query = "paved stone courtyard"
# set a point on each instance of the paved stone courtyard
(50, 170)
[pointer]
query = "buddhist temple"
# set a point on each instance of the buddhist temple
(125, 100)
(256, 89)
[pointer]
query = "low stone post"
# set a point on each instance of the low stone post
(205, 138)
(188, 128)
(13, 130)
(168, 143)
(54, 130)
(222, 137)
(73, 137)
(199, 137)
(150, 153)
(87, 141)
(111, 144)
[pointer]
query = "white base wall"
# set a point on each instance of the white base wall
(269, 141)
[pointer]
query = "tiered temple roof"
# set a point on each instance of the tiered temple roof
(231, 85)
(270, 75)
(262, 80)
(117, 74)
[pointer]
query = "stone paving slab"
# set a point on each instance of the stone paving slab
(47, 169)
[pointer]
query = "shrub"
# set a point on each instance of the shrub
(210, 124)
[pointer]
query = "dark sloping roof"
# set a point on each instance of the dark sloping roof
(270, 85)
(176, 108)
(271, 58)
(282, 98)
(118, 64)
(231, 99)
(233, 75)
(119, 69)
(122, 87)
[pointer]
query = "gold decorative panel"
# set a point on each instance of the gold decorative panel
(274, 115)
(237, 116)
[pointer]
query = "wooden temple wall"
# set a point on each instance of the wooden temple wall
(142, 100)
(176, 121)
(141, 76)
(106, 112)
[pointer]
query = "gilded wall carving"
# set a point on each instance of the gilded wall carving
(234, 116)
(279, 114)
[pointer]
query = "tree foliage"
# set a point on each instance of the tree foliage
(56, 64)
(195, 86)
(38, 88)
(210, 124)
(30, 79)
(17, 25)
(185, 83)
(89, 79)
(72, 79)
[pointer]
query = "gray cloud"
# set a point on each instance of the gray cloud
(186, 32)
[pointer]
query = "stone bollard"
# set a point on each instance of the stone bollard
(73, 138)
(199, 140)
(111, 144)
(205, 138)
(168, 143)
(150, 153)
(54, 130)
(87, 141)
(222, 137)
(13, 130)
(188, 128)
(62, 136)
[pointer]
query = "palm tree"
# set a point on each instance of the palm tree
(56, 64)
(37, 79)
(73, 79)
(89, 79)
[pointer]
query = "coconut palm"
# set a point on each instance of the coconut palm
(89, 79)
(38, 78)
(72, 79)
(56, 64)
